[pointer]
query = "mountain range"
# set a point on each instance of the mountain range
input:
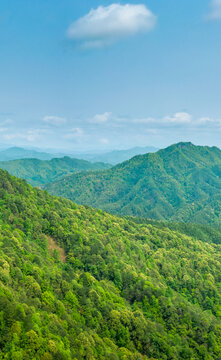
(78, 283)
(179, 183)
(112, 157)
(38, 172)
(116, 156)
(15, 152)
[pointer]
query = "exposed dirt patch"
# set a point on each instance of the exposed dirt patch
(52, 245)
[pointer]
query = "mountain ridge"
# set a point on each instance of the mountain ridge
(175, 183)
(112, 157)
(38, 172)
(117, 156)
(16, 152)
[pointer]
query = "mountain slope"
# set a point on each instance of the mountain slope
(38, 172)
(205, 233)
(179, 183)
(122, 290)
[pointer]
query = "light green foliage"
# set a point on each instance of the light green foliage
(201, 232)
(127, 291)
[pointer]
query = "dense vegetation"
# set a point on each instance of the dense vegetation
(201, 232)
(179, 183)
(123, 290)
(38, 172)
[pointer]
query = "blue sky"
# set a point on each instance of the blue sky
(123, 74)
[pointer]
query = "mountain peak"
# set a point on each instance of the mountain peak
(179, 183)
(181, 145)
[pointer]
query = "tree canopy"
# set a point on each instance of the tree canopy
(121, 290)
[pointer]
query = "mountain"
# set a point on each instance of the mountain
(179, 183)
(14, 153)
(39, 172)
(77, 283)
(116, 156)
(113, 157)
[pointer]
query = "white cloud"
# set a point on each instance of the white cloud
(3, 129)
(206, 120)
(28, 135)
(106, 25)
(104, 141)
(215, 13)
(178, 118)
(54, 120)
(101, 118)
(74, 133)
(7, 122)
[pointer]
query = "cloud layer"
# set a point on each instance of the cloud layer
(178, 122)
(54, 120)
(101, 118)
(105, 25)
(215, 13)
(108, 131)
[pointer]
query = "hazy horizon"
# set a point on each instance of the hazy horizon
(65, 151)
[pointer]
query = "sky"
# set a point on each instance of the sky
(100, 75)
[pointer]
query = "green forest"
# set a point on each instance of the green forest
(79, 283)
(39, 172)
(110, 180)
(179, 183)
(198, 231)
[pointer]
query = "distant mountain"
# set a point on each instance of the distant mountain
(117, 156)
(14, 153)
(38, 172)
(113, 157)
(77, 283)
(179, 183)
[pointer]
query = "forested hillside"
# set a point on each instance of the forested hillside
(203, 232)
(38, 172)
(179, 183)
(77, 283)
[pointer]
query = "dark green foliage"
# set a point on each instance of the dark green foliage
(39, 172)
(127, 291)
(180, 183)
